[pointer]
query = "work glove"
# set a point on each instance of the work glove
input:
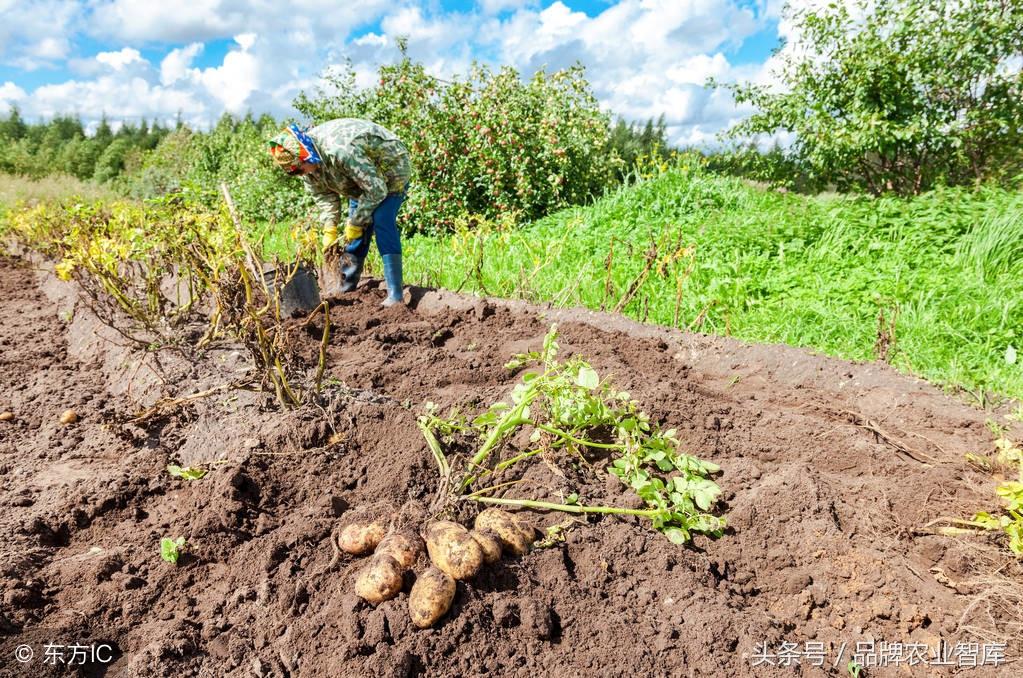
(353, 232)
(329, 236)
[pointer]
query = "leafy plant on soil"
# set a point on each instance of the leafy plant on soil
(1008, 456)
(149, 270)
(171, 549)
(186, 473)
(1011, 494)
(570, 415)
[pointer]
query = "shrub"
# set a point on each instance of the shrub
(911, 94)
(490, 144)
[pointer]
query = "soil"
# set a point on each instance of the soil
(831, 470)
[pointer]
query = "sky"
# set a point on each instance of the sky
(153, 59)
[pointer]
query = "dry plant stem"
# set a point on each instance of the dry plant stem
(567, 508)
(321, 365)
(165, 406)
(863, 422)
(493, 488)
(651, 258)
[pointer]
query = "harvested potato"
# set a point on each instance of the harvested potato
(431, 597)
(489, 543)
(515, 535)
(404, 547)
(361, 537)
(453, 549)
(6, 416)
(380, 580)
(69, 417)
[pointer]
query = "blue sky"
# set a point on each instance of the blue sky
(133, 59)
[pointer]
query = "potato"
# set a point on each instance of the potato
(431, 597)
(380, 580)
(361, 537)
(453, 549)
(404, 547)
(515, 535)
(489, 543)
(6, 416)
(69, 417)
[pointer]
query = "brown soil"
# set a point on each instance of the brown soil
(826, 513)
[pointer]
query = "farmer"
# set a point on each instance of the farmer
(367, 164)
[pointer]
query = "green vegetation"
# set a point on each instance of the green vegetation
(171, 549)
(487, 145)
(573, 418)
(899, 95)
(186, 473)
(692, 250)
(60, 146)
(1008, 460)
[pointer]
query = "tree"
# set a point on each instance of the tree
(14, 126)
(111, 160)
(900, 94)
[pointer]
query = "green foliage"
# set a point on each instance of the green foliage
(770, 267)
(569, 412)
(1010, 521)
(774, 167)
(487, 145)
(171, 549)
(60, 146)
(194, 164)
(186, 473)
(915, 94)
(632, 142)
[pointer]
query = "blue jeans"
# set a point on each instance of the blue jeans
(385, 225)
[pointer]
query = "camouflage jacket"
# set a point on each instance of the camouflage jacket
(362, 161)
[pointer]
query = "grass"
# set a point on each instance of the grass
(16, 189)
(713, 254)
(717, 255)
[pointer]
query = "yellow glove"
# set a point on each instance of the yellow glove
(329, 236)
(353, 232)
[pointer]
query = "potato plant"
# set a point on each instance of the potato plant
(148, 270)
(121, 255)
(569, 411)
(1010, 492)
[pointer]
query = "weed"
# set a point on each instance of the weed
(186, 473)
(171, 549)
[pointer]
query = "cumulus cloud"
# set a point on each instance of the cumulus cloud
(121, 59)
(36, 34)
(11, 94)
(496, 6)
(644, 58)
(176, 64)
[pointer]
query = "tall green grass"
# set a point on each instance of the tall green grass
(771, 267)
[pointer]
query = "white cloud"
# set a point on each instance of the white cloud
(10, 94)
(644, 58)
(119, 60)
(177, 63)
(496, 6)
(232, 82)
(36, 34)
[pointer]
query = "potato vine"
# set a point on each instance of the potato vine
(568, 410)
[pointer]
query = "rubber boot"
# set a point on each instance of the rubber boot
(331, 275)
(392, 275)
(351, 272)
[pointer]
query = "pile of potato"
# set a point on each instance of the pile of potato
(455, 552)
